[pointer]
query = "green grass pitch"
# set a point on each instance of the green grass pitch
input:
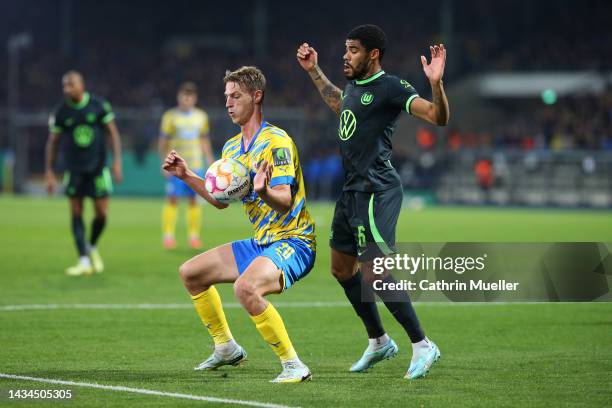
(493, 355)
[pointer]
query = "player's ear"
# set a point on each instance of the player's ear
(375, 53)
(258, 96)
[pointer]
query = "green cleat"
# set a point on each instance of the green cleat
(369, 358)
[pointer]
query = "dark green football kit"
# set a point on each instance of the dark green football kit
(366, 212)
(82, 127)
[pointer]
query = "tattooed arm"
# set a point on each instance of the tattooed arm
(331, 94)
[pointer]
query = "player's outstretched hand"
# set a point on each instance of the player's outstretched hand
(435, 69)
(307, 57)
(262, 178)
(175, 165)
(51, 182)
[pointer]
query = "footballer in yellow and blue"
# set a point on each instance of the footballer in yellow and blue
(184, 131)
(288, 239)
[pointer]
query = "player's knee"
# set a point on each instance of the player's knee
(188, 273)
(196, 277)
(244, 290)
(369, 278)
(101, 211)
(367, 274)
(341, 274)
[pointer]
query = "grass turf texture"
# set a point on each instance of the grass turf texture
(507, 355)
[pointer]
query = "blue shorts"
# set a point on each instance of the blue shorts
(178, 188)
(291, 255)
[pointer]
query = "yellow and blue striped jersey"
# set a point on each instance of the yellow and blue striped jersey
(274, 145)
(184, 131)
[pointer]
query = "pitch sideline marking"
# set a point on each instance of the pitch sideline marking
(170, 306)
(144, 391)
(153, 306)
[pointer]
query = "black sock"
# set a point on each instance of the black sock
(398, 303)
(362, 299)
(97, 226)
(78, 232)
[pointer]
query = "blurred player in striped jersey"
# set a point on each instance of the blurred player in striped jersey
(184, 129)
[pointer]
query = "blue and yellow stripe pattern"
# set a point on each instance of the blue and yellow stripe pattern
(274, 145)
(184, 131)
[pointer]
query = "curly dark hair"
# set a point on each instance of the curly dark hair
(370, 36)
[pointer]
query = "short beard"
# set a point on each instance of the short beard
(359, 73)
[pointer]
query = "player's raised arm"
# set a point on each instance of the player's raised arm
(177, 166)
(331, 94)
(435, 112)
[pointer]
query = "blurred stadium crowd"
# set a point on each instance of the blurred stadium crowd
(135, 53)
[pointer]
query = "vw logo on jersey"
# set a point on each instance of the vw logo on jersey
(348, 124)
(367, 98)
(83, 135)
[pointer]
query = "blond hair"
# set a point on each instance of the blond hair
(250, 78)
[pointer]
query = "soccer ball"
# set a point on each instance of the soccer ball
(227, 180)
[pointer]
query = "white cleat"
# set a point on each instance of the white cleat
(96, 261)
(79, 269)
(420, 367)
(216, 360)
(293, 372)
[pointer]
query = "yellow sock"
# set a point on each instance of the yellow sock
(169, 214)
(208, 305)
(271, 327)
(194, 219)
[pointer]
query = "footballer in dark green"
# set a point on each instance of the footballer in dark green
(366, 213)
(83, 124)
